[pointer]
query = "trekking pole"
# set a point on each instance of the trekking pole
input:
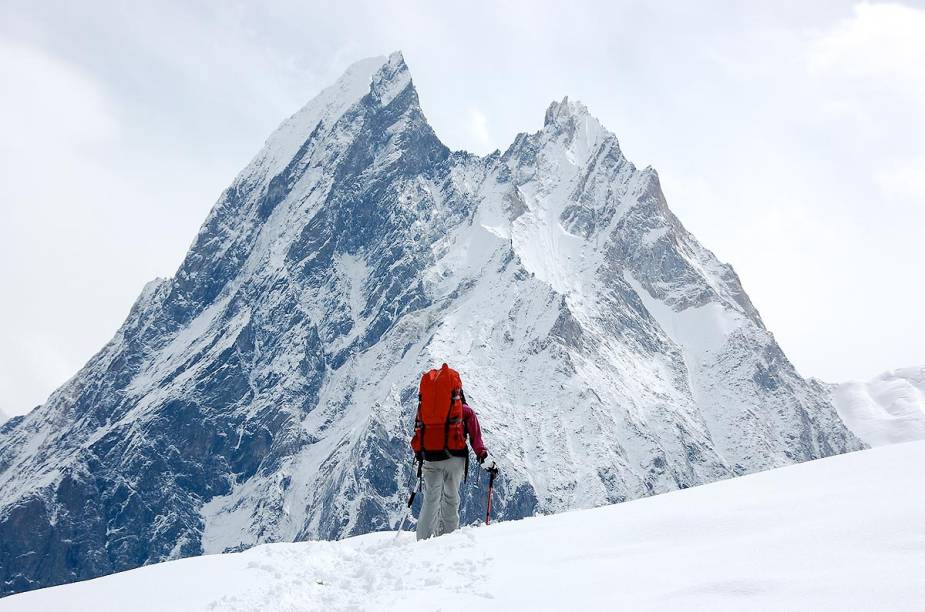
(492, 472)
(411, 497)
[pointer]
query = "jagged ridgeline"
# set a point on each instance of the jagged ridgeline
(266, 392)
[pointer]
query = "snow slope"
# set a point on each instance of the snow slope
(842, 533)
(885, 410)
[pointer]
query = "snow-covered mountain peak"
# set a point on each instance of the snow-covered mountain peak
(381, 77)
(577, 131)
(391, 79)
(265, 392)
(561, 111)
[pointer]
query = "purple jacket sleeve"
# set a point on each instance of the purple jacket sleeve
(475, 432)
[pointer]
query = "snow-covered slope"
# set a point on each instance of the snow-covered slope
(843, 533)
(265, 393)
(3, 417)
(887, 409)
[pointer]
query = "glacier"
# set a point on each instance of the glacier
(265, 393)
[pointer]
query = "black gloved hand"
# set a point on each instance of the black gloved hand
(419, 457)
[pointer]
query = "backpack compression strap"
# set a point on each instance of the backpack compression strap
(419, 422)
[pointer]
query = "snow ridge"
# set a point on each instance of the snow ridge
(265, 392)
(886, 410)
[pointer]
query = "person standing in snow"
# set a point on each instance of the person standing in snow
(444, 420)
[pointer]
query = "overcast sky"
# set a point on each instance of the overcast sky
(789, 136)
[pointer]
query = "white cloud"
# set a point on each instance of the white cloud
(881, 41)
(480, 138)
(55, 123)
(878, 54)
(87, 219)
(905, 179)
(43, 96)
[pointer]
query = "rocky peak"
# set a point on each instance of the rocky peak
(561, 112)
(392, 78)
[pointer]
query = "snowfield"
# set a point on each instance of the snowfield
(842, 533)
(887, 409)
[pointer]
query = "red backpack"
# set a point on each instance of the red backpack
(439, 422)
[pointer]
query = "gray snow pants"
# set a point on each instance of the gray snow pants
(440, 511)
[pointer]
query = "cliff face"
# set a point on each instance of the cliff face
(266, 392)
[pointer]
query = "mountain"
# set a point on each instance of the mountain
(265, 393)
(786, 539)
(886, 410)
(3, 417)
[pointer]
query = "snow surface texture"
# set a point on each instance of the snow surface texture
(266, 392)
(887, 409)
(843, 533)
